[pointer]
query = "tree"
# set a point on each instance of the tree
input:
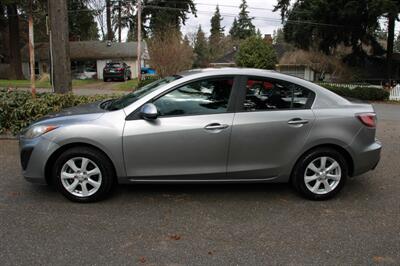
(14, 39)
(162, 14)
(82, 25)
(243, 27)
(168, 53)
(201, 49)
(325, 24)
(110, 33)
(217, 34)
(256, 53)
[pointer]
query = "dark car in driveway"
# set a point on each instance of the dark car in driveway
(117, 70)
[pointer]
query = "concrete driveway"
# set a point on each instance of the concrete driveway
(206, 224)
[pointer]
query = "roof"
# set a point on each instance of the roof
(90, 50)
(228, 58)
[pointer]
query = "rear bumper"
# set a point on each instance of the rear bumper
(367, 159)
(113, 75)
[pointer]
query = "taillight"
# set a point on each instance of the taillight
(368, 119)
(120, 69)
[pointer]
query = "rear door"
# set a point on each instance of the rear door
(189, 139)
(270, 127)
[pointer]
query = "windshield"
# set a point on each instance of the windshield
(139, 93)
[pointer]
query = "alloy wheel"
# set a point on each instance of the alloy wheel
(81, 177)
(322, 175)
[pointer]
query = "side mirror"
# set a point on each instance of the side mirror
(149, 111)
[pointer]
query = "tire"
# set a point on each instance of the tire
(105, 79)
(308, 172)
(98, 184)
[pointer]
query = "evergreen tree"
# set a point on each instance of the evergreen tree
(326, 24)
(217, 34)
(243, 27)
(256, 53)
(165, 15)
(201, 49)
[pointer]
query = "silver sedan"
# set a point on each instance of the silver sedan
(211, 125)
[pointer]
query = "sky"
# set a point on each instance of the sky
(266, 20)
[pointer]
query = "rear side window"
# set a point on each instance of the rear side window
(208, 96)
(265, 94)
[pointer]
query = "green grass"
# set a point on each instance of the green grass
(129, 85)
(4, 83)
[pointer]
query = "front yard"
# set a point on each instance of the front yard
(76, 84)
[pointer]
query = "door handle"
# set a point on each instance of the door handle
(297, 121)
(216, 126)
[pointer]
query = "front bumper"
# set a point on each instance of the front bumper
(34, 154)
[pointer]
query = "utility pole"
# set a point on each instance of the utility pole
(59, 36)
(32, 49)
(139, 39)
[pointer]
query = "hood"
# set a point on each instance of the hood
(91, 108)
(85, 112)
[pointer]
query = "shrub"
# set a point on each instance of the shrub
(362, 93)
(18, 109)
(256, 53)
(147, 80)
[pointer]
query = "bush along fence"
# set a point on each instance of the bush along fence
(366, 93)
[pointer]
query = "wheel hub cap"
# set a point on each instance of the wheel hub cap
(81, 177)
(322, 175)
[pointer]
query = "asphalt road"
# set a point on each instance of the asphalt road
(206, 224)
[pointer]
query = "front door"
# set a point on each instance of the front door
(270, 127)
(189, 137)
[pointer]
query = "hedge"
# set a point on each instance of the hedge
(362, 93)
(18, 109)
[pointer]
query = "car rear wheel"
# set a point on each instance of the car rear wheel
(320, 174)
(83, 174)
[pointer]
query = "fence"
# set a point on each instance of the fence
(395, 93)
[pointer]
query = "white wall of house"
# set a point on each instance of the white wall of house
(309, 74)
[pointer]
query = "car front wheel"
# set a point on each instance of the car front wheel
(320, 174)
(83, 174)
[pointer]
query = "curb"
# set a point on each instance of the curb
(7, 137)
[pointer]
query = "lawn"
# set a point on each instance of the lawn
(5, 83)
(129, 85)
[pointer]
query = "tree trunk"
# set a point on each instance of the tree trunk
(59, 36)
(15, 52)
(390, 42)
(119, 21)
(110, 35)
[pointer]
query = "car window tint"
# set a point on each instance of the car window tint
(209, 96)
(263, 94)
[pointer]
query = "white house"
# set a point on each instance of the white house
(303, 71)
(88, 58)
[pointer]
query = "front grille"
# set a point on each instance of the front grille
(25, 156)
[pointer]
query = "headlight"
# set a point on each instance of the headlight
(37, 131)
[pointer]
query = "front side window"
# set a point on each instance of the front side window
(139, 93)
(264, 94)
(209, 96)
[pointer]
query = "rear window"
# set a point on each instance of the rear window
(114, 65)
